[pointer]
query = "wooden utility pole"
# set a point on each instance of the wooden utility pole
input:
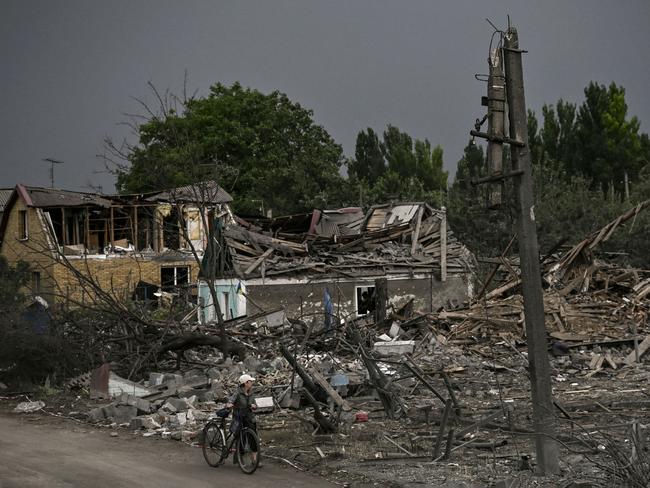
(496, 103)
(543, 418)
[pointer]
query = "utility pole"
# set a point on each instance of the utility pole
(52, 163)
(543, 414)
(538, 364)
(496, 103)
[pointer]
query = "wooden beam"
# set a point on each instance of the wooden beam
(112, 229)
(87, 229)
(64, 236)
(134, 227)
(443, 246)
(416, 233)
(634, 356)
(333, 394)
(259, 260)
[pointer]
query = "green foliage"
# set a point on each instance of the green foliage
(24, 354)
(12, 282)
(579, 158)
(260, 147)
(597, 140)
(634, 238)
(485, 231)
(569, 207)
(369, 161)
(397, 168)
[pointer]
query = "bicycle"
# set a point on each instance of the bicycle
(217, 446)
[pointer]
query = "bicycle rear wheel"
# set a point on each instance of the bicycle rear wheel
(214, 444)
(248, 455)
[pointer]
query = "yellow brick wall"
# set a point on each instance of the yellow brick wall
(117, 274)
(35, 250)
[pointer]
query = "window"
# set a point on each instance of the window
(172, 277)
(226, 305)
(36, 282)
(365, 299)
(23, 230)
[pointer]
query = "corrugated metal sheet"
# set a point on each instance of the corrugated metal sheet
(339, 222)
(400, 214)
(388, 215)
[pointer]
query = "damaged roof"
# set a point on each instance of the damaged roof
(381, 216)
(395, 238)
(208, 192)
(53, 197)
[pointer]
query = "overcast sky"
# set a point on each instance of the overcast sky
(70, 69)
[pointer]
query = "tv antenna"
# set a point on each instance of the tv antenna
(52, 163)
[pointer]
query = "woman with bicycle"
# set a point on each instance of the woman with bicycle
(242, 402)
(242, 438)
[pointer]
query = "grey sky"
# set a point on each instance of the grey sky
(71, 68)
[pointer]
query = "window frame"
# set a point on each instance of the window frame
(23, 225)
(187, 268)
(358, 290)
(36, 282)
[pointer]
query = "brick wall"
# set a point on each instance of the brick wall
(117, 274)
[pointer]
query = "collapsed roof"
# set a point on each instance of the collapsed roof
(389, 239)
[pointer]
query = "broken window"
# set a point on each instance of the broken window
(172, 277)
(23, 232)
(36, 282)
(365, 299)
(226, 305)
(171, 230)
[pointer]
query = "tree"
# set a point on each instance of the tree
(13, 281)
(397, 167)
(397, 149)
(485, 231)
(263, 147)
(608, 143)
(369, 161)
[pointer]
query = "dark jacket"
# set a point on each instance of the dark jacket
(242, 406)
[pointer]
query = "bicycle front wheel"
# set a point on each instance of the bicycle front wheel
(214, 444)
(248, 454)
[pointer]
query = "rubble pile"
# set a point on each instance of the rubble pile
(392, 238)
(441, 395)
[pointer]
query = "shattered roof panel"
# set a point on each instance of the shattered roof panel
(53, 197)
(345, 221)
(402, 213)
(381, 216)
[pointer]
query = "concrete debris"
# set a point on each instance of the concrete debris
(28, 407)
(449, 385)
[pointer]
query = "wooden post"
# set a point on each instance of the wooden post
(441, 430)
(496, 102)
(112, 229)
(443, 245)
(416, 232)
(381, 298)
(134, 227)
(64, 232)
(543, 418)
(87, 229)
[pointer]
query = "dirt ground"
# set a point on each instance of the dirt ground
(38, 450)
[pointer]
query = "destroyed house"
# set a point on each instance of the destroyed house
(328, 263)
(130, 246)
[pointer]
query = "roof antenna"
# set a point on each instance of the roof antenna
(52, 163)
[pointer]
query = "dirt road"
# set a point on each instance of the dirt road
(39, 452)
